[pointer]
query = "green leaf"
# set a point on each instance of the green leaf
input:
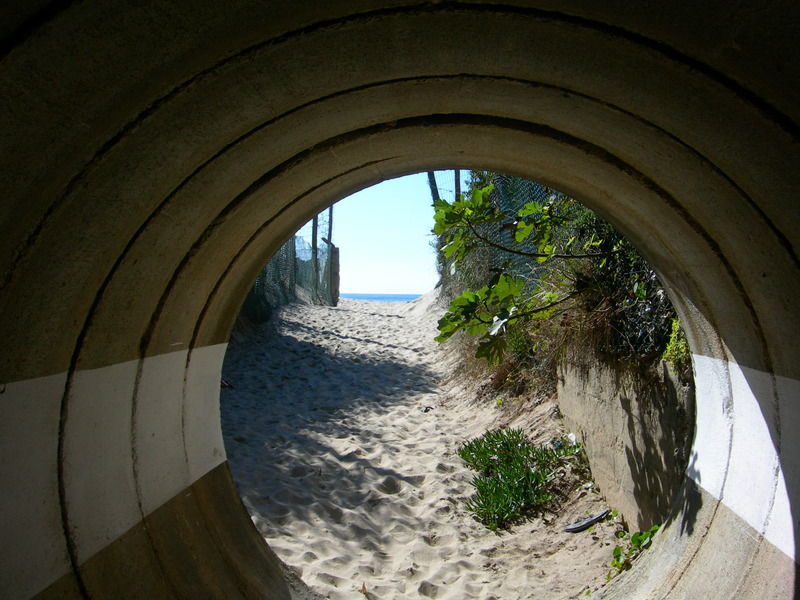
(549, 297)
(492, 349)
(523, 231)
(506, 288)
(531, 208)
(476, 328)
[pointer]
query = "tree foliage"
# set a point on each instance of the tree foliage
(551, 257)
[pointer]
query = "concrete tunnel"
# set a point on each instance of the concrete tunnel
(156, 153)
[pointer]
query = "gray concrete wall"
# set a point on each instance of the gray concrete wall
(154, 154)
(637, 428)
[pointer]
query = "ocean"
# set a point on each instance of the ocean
(382, 297)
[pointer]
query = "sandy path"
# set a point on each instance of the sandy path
(342, 441)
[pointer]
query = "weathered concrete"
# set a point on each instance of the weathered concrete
(636, 426)
(154, 154)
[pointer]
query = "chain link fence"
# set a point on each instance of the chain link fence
(304, 269)
(509, 194)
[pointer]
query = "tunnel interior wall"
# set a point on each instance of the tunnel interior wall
(156, 154)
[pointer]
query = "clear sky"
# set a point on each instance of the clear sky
(384, 236)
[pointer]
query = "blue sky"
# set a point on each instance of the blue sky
(383, 233)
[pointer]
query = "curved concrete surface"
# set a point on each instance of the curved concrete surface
(156, 153)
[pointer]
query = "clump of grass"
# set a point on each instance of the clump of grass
(515, 477)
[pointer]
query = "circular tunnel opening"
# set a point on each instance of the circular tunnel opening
(343, 430)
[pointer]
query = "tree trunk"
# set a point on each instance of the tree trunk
(434, 189)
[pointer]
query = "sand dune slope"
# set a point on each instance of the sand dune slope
(342, 438)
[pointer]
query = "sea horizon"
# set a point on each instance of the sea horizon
(382, 297)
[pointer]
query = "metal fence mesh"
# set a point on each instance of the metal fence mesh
(306, 269)
(510, 194)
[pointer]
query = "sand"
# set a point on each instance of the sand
(341, 431)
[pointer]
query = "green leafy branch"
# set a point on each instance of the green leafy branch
(465, 223)
(487, 312)
(471, 222)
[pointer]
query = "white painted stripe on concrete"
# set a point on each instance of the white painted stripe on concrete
(162, 471)
(736, 410)
(205, 447)
(178, 438)
(708, 462)
(33, 551)
(781, 531)
(98, 470)
(754, 467)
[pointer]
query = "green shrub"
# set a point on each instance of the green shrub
(515, 477)
(677, 351)
(519, 340)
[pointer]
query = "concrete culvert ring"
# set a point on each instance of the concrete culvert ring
(156, 155)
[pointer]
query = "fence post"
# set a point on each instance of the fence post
(334, 274)
(314, 260)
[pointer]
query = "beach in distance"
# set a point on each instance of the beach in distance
(382, 297)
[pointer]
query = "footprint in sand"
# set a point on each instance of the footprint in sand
(389, 485)
(428, 589)
(415, 480)
(299, 471)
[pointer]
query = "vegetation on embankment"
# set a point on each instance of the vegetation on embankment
(516, 478)
(535, 276)
(547, 296)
